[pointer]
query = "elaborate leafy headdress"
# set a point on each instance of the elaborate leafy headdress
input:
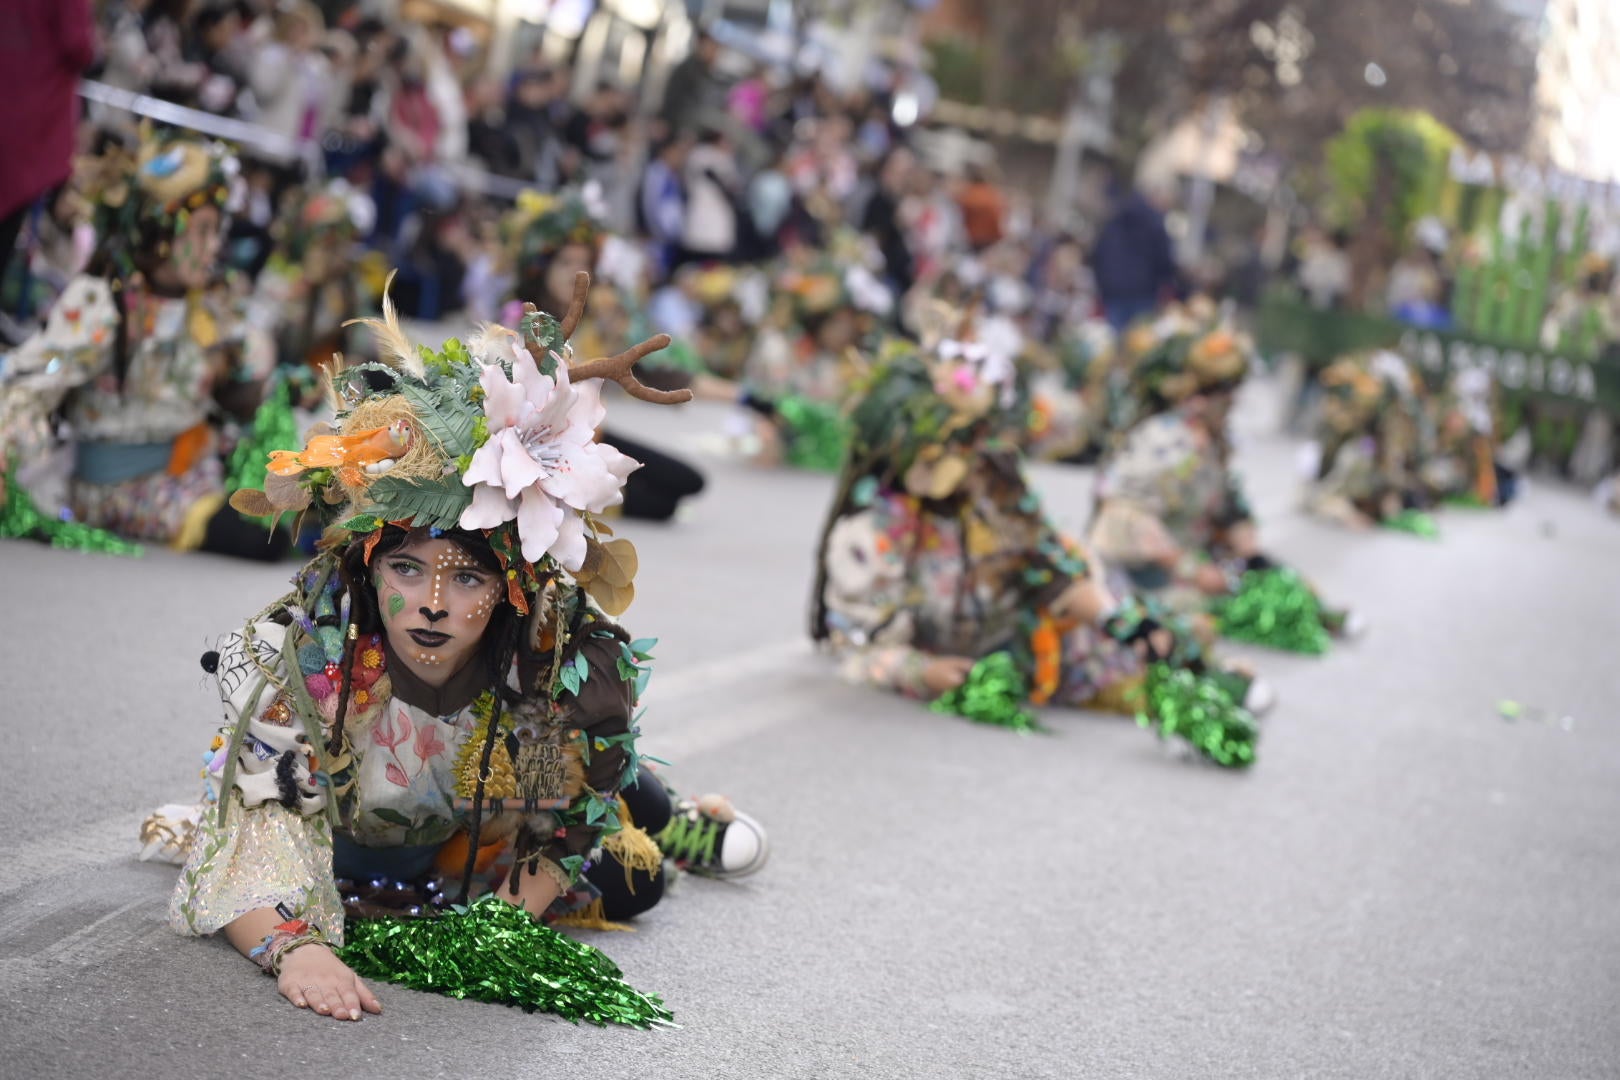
(334, 209)
(143, 198)
(922, 408)
(1185, 362)
(541, 225)
(497, 434)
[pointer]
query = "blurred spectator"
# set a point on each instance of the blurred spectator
(933, 222)
(436, 49)
(218, 46)
(1416, 291)
(595, 135)
(1324, 268)
(710, 232)
(1133, 262)
(876, 134)
(746, 101)
(44, 45)
(290, 75)
(881, 219)
(661, 206)
(356, 140)
(693, 96)
(534, 116)
(490, 139)
(129, 63)
(984, 208)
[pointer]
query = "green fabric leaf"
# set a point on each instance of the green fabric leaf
(583, 666)
(446, 418)
(392, 816)
(430, 504)
(363, 523)
(594, 809)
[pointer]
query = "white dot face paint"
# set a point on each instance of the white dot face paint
(436, 602)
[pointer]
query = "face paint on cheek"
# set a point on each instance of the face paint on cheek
(486, 605)
(396, 604)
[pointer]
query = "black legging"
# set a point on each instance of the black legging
(625, 899)
(654, 491)
(229, 533)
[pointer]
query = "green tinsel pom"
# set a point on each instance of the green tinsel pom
(993, 693)
(1198, 709)
(492, 951)
(1274, 608)
(274, 428)
(21, 519)
(1415, 522)
(817, 433)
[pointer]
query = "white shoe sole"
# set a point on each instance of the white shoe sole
(751, 852)
(1260, 697)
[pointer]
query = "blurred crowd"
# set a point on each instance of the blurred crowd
(736, 162)
(778, 224)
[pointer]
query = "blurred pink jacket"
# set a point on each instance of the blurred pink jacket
(44, 45)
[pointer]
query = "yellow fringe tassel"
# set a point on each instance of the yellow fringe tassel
(633, 848)
(591, 917)
(1124, 696)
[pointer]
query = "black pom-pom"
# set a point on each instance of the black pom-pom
(286, 781)
(210, 661)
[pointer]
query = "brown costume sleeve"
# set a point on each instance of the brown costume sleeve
(602, 709)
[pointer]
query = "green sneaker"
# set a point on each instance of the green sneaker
(709, 836)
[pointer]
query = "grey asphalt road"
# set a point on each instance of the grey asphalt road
(1406, 885)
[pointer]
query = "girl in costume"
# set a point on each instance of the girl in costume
(801, 368)
(1370, 458)
(441, 708)
(310, 281)
(940, 578)
(145, 360)
(1171, 512)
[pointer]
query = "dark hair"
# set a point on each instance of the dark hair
(530, 282)
(210, 17)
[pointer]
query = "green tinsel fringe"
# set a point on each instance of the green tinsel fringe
(817, 434)
(491, 951)
(1197, 709)
(1274, 608)
(21, 519)
(274, 428)
(993, 693)
(1415, 522)
(1467, 501)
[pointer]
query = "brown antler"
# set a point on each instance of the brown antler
(618, 368)
(576, 306)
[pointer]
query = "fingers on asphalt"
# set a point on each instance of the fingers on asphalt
(368, 1000)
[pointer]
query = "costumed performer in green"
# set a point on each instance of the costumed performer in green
(939, 576)
(441, 708)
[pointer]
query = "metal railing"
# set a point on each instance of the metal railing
(271, 145)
